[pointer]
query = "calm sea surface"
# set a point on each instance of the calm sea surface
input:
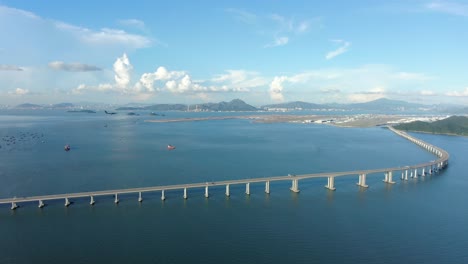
(422, 220)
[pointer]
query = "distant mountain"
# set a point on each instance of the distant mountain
(234, 105)
(297, 105)
(385, 104)
(167, 107)
(131, 108)
(82, 111)
(28, 105)
(454, 125)
(63, 105)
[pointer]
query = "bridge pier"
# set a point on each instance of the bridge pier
(406, 175)
(267, 187)
(416, 173)
(294, 186)
(247, 188)
(41, 204)
(185, 194)
(431, 170)
(388, 177)
(162, 195)
(362, 181)
(227, 190)
(13, 206)
(91, 202)
(140, 199)
(331, 184)
(67, 202)
(423, 173)
(206, 192)
(116, 200)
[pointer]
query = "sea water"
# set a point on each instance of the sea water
(416, 221)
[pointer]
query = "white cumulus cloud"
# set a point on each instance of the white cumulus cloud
(463, 93)
(344, 46)
(122, 69)
(4, 67)
(73, 67)
(276, 88)
(19, 91)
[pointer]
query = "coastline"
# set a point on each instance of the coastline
(336, 120)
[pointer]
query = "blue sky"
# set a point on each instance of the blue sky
(209, 51)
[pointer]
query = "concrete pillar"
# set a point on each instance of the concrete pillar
(294, 186)
(402, 175)
(67, 202)
(163, 197)
(267, 187)
(13, 206)
(331, 183)
(91, 201)
(362, 181)
(247, 188)
(406, 175)
(206, 192)
(185, 193)
(227, 190)
(416, 173)
(388, 177)
(140, 199)
(41, 204)
(116, 200)
(423, 173)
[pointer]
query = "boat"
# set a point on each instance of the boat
(67, 147)
(170, 147)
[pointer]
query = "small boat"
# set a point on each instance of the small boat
(170, 147)
(67, 147)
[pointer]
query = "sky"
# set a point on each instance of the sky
(262, 52)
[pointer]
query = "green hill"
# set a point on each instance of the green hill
(454, 125)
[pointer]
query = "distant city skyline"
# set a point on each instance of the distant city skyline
(210, 51)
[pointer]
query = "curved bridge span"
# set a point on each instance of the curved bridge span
(412, 171)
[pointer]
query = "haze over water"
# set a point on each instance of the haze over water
(418, 221)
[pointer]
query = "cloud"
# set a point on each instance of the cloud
(73, 67)
(105, 36)
(340, 50)
(330, 90)
(412, 76)
(19, 91)
(369, 95)
(427, 93)
(279, 41)
(276, 88)
(463, 93)
(164, 80)
(4, 67)
(122, 69)
(133, 23)
(240, 78)
(451, 8)
(242, 15)
(281, 29)
(345, 84)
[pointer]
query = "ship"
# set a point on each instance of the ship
(67, 147)
(170, 147)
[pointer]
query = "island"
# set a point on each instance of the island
(454, 125)
(82, 111)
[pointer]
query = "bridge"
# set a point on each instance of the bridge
(412, 171)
